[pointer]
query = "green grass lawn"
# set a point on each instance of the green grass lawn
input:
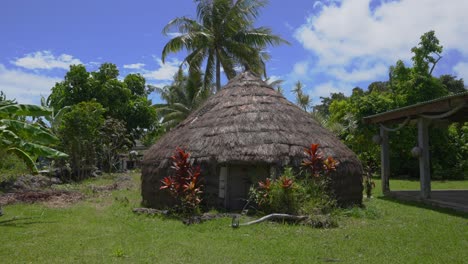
(102, 229)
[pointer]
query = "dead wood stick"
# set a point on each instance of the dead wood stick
(272, 217)
(149, 211)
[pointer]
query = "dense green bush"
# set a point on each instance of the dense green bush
(11, 166)
(283, 195)
(80, 136)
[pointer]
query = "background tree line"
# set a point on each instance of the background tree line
(405, 86)
(103, 116)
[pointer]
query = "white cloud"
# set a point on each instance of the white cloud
(165, 71)
(341, 34)
(45, 60)
(300, 69)
(325, 89)
(359, 73)
(461, 71)
(25, 87)
(134, 66)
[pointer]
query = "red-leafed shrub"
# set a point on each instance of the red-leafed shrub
(185, 184)
(316, 164)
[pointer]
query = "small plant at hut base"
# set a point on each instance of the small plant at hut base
(282, 195)
(320, 168)
(185, 184)
(369, 184)
(292, 195)
(261, 194)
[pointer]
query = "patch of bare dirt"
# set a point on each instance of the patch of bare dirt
(39, 189)
(53, 198)
(121, 183)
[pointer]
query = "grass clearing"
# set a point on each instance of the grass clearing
(102, 229)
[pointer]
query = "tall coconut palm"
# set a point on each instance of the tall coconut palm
(183, 96)
(224, 36)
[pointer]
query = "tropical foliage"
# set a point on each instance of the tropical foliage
(223, 35)
(79, 132)
(302, 100)
(406, 85)
(123, 100)
(183, 96)
(113, 140)
(20, 137)
(97, 116)
(301, 193)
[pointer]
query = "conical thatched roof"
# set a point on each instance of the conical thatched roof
(249, 122)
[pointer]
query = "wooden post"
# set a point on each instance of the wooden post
(424, 168)
(385, 160)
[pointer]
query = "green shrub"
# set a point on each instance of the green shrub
(283, 195)
(11, 166)
(298, 195)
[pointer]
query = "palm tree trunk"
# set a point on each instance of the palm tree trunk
(218, 74)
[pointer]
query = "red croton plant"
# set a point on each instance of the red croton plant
(316, 163)
(185, 184)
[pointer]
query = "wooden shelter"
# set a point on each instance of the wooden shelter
(245, 133)
(453, 108)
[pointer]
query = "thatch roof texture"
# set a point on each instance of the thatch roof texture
(248, 122)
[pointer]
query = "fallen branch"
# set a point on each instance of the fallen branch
(149, 211)
(235, 220)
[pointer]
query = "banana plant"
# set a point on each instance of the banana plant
(54, 118)
(27, 141)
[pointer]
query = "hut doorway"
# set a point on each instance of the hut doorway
(238, 181)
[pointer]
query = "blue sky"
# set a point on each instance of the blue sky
(335, 45)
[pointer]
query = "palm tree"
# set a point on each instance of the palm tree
(302, 100)
(183, 96)
(224, 36)
(276, 84)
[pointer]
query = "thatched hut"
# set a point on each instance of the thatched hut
(244, 133)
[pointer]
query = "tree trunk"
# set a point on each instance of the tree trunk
(218, 74)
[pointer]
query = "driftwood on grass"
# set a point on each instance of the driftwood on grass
(149, 211)
(235, 221)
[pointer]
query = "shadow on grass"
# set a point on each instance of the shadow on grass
(422, 205)
(22, 222)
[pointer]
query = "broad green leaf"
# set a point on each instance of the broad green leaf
(24, 110)
(33, 133)
(25, 157)
(42, 151)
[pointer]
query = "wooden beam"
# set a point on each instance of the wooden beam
(438, 106)
(424, 168)
(385, 160)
